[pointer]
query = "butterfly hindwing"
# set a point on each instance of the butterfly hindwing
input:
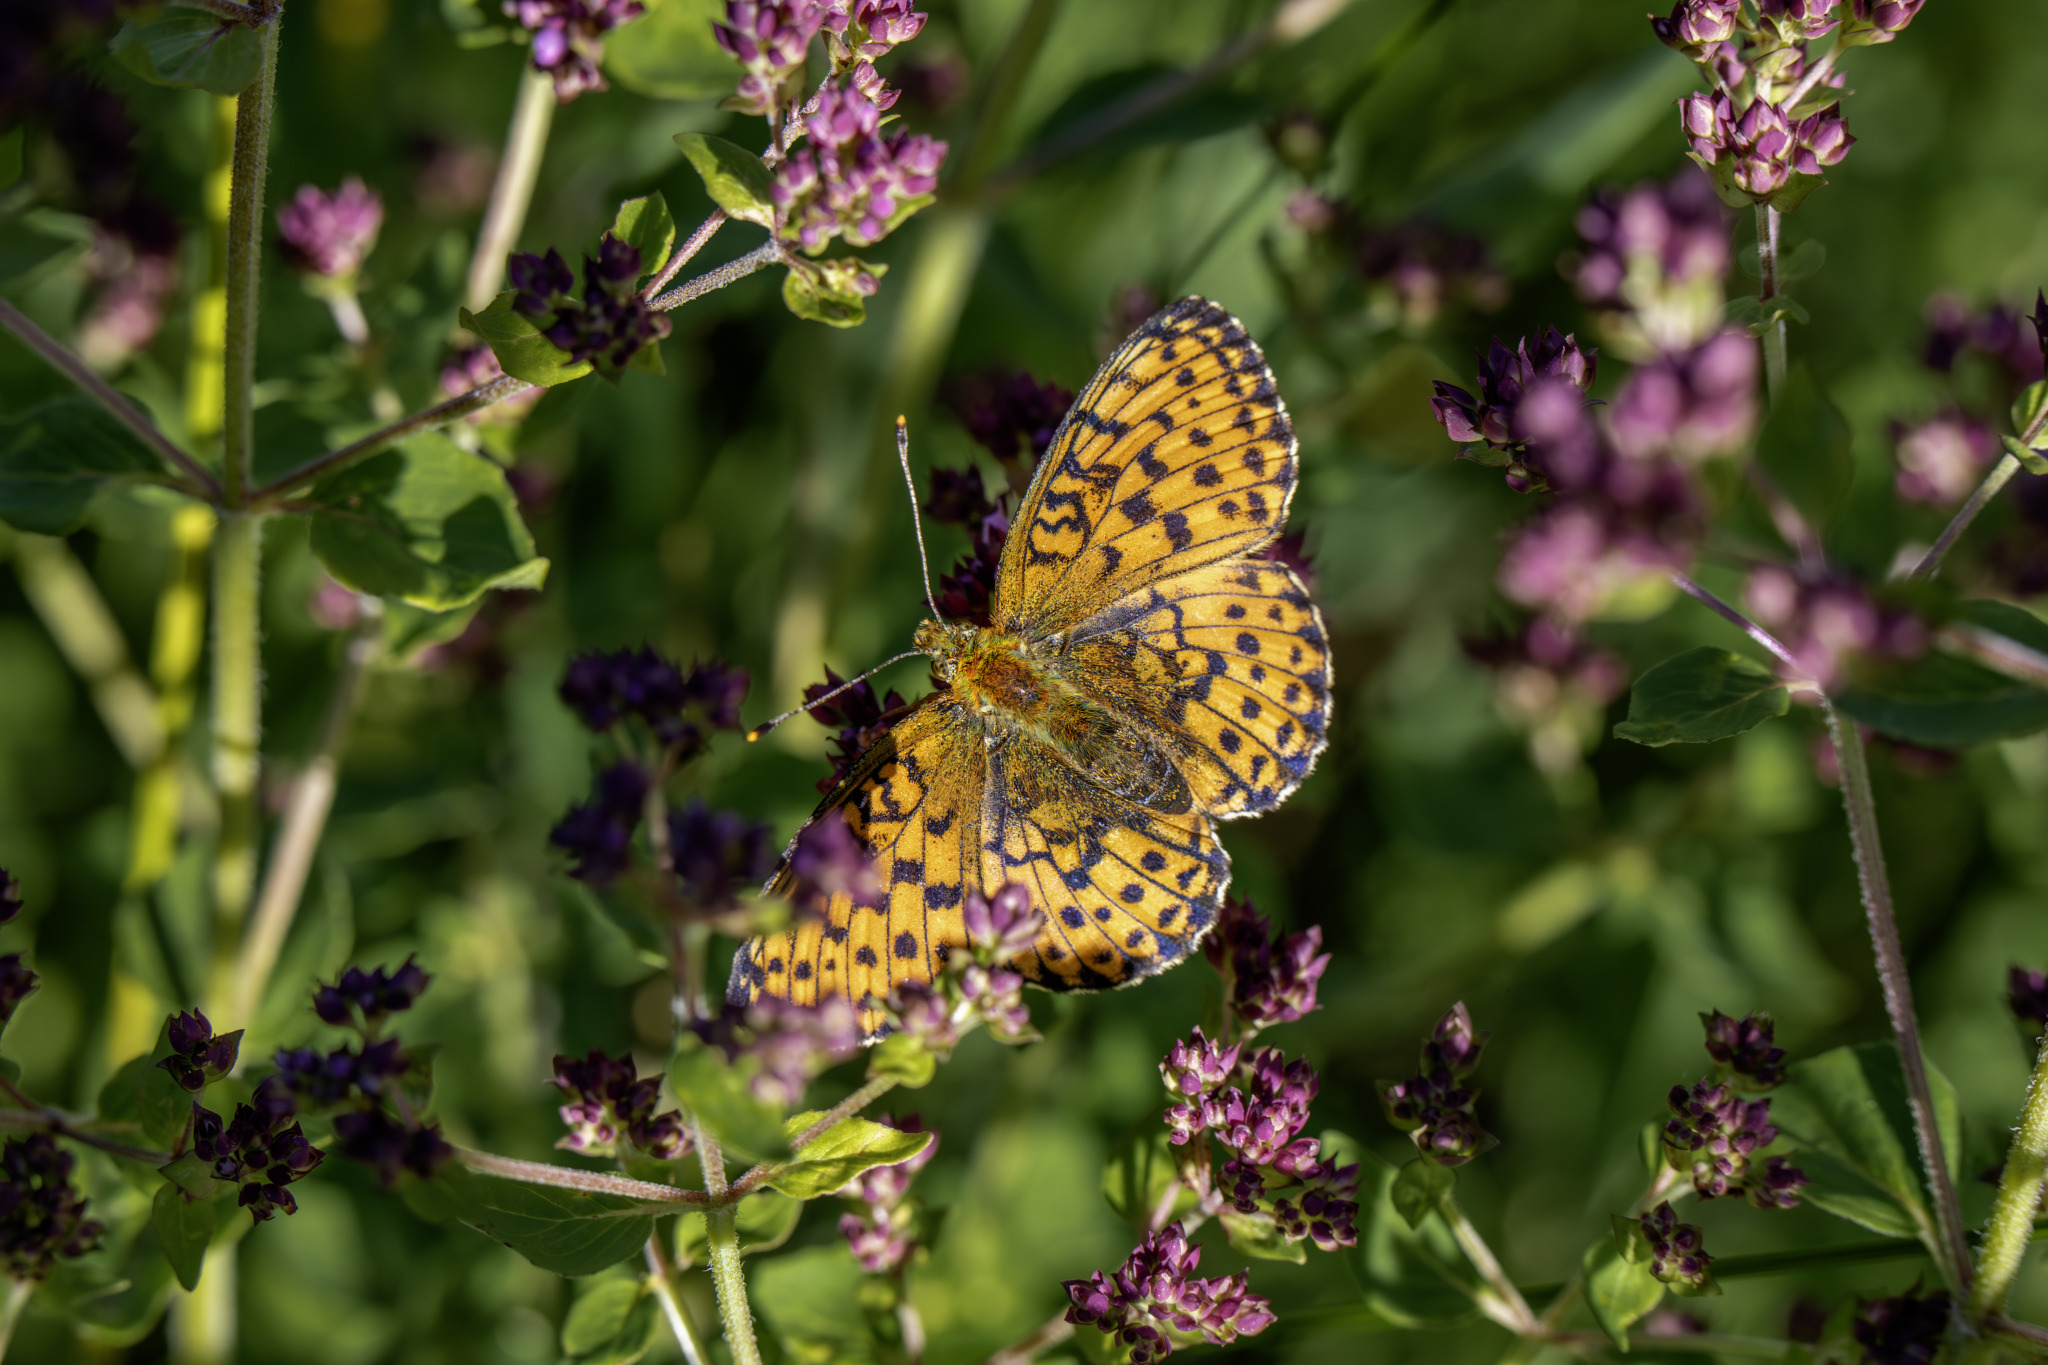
(1228, 662)
(1127, 891)
(914, 799)
(1179, 453)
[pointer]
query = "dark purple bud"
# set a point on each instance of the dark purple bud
(1778, 1185)
(1695, 25)
(860, 717)
(329, 235)
(17, 983)
(1156, 1290)
(188, 1032)
(598, 834)
(1879, 21)
(2039, 317)
(957, 497)
(1454, 1045)
(769, 38)
(2027, 997)
(1907, 1330)
(1198, 1067)
(878, 25)
(1744, 1047)
(1678, 1254)
(1011, 414)
(1004, 925)
(718, 855)
(10, 897)
(539, 282)
(828, 859)
(1266, 982)
(568, 38)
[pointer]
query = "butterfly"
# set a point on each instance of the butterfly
(1143, 675)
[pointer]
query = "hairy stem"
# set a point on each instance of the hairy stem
(237, 730)
(662, 1276)
(298, 836)
(253, 109)
(36, 1118)
(1767, 272)
(399, 432)
(1054, 1331)
(571, 1178)
(2019, 1195)
(1500, 1301)
(692, 244)
(2000, 475)
(760, 258)
(1748, 627)
(1951, 1250)
(722, 1234)
(201, 482)
(512, 192)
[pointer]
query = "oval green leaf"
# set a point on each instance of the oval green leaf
(1619, 1292)
(832, 1159)
(57, 457)
(565, 1231)
(733, 176)
(1700, 696)
(1947, 702)
(184, 1228)
(521, 350)
(191, 49)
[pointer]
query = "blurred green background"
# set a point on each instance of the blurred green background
(746, 506)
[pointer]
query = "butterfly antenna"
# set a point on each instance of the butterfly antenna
(765, 727)
(903, 458)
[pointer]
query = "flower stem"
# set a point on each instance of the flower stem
(661, 1275)
(1748, 627)
(1054, 1331)
(2000, 475)
(237, 730)
(178, 640)
(572, 1178)
(440, 415)
(722, 1234)
(253, 109)
(1996, 652)
(1767, 272)
(202, 482)
(2019, 1195)
(76, 615)
(762, 1172)
(36, 1118)
(761, 257)
(305, 816)
(512, 192)
(1951, 1248)
(693, 244)
(17, 1300)
(1500, 1301)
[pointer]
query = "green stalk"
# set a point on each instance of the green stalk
(1767, 272)
(253, 110)
(512, 192)
(2019, 1195)
(721, 1229)
(237, 732)
(17, 1299)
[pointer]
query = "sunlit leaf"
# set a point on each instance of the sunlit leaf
(190, 48)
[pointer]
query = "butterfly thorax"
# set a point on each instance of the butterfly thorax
(1014, 685)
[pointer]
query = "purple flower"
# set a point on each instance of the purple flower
(1454, 1045)
(608, 1100)
(851, 181)
(1827, 622)
(680, 709)
(768, 38)
(1678, 1254)
(1778, 1185)
(1199, 1067)
(262, 1149)
(391, 1146)
(875, 26)
(1997, 332)
(10, 897)
(789, 1044)
(598, 834)
(996, 995)
(197, 1056)
(1941, 459)
(608, 324)
(1013, 416)
(860, 716)
(1004, 925)
(1265, 981)
(1907, 1330)
(1696, 25)
(42, 1216)
(1325, 1211)
(1435, 1107)
(568, 38)
(828, 859)
(926, 1014)
(1291, 549)
(882, 1235)
(365, 999)
(17, 983)
(329, 235)
(1156, 1288)
(2027, 996)
(1758, 150)
(1744, 1047)
(1505, 380)
(1679, 230)
(472, 367)
(1879, 21)
(967, 589)
(1689, 405)
(1716, 1133)
(718, 855)
(1579, 557)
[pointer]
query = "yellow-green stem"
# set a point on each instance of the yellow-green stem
(10, 1314)
(2019, 1195)
(722, 1234)
(1767, 273)
(237, 731)
(525, 141)
(253, 109)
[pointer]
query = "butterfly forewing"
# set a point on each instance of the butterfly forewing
(1177, 454)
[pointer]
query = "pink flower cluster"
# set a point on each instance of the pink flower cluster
(1826, 622)
(852, 181)
(568, 38)
(883, 1233)
(1156, 1291)
(330, 234)
(1761, 148)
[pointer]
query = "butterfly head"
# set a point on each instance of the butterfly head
(945, 641)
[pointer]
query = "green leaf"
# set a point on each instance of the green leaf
(427, 523)
(825, 291)
(841, 1152)
(1255, 1235)
(1619, 1292)
(160, 1104)
(1700, 696)
(40, 242)
(1947, 702)
(765, 1220)
(2030, 407)
(668, 53)
(119, 1099)
(1847, 1112)
(1410, 1277)
(733, 176)
(184, 1228)
(1420, 1188)
(521, 350)
(565, 1231)
(1141, 1169)
(613, 1322)
(905, 1058)
(646, 224)
(56, 457)
(192, 49)
(811, 1301)
(193, 1175)
(720, 1094)
(1804, 447)
(2034, 461)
